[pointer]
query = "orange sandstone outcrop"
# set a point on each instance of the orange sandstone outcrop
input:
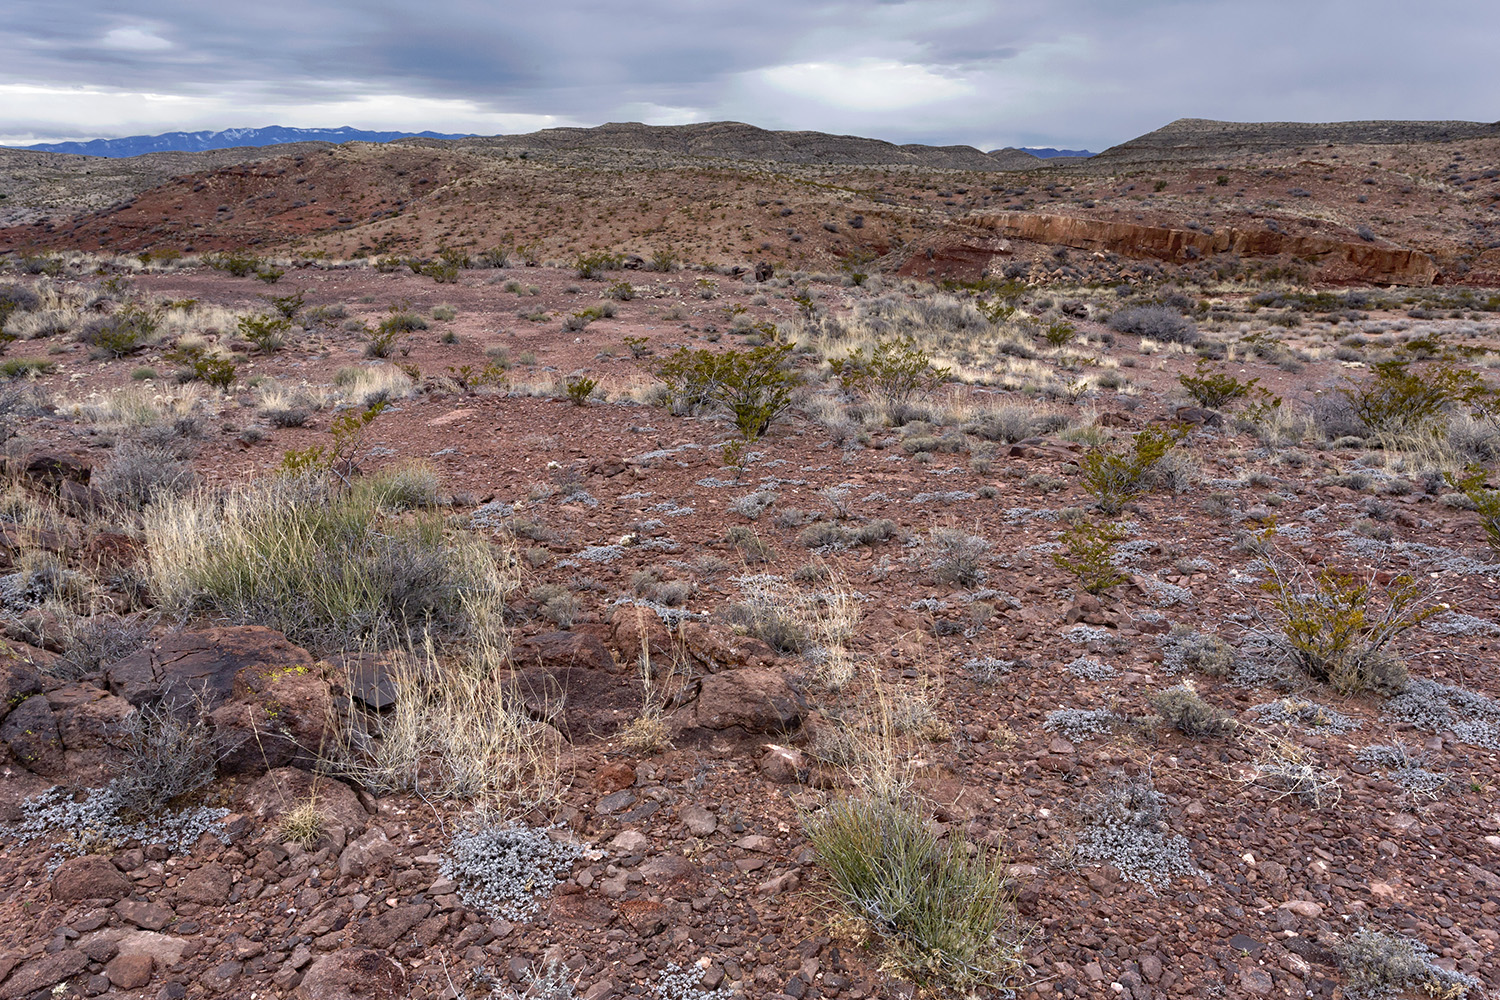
(1342, 261)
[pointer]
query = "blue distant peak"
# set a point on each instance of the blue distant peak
(1047, 152)
(195, 142)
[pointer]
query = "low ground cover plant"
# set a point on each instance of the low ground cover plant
(939, 905)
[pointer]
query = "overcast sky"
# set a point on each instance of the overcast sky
(1066, 73)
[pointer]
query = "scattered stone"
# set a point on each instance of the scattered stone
(191, 664)
(89, 877)
(129, 972)
(150, 916)
(353, 972)
(40, 973)
(698, 820)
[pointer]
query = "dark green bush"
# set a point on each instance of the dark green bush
(1088, 549)
(125, 331)
(893, 371)
(754, 385)
(1215, 389)
(1116, 476)
(267, 333)
(592, 265)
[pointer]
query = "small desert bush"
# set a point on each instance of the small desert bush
(21, 368)
(267, 333)
(1156, 323)
(580, 388)
(1123, 823)
(408, 486)
(506, 870)
(1117, 475)
(956, 556)
(1336, 627)
(1088, 548)
(940, 906)
(1485, 501)
(754, 385)
(593, 265)
(893, 371)
(462, 731)
(125, 331)
(1379, 964)
(167, 751)
(1184, 709)
(1215, 389)
(1399, 405)
(323, 565)
(137, 474)
(303, 824)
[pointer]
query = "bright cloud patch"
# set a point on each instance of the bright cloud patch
(867, 85)
(134, 40)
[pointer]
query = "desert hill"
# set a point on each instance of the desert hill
(1202, 140)
(1384, 202)
(738, 141)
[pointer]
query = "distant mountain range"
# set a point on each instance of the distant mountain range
(1048, 153)
(229, 138)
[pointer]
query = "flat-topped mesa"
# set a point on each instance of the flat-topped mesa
(1339, 261)
(1202, 139)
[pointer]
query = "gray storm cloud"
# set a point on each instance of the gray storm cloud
(1066, 72)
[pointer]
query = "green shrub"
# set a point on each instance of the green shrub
(938, 904)
(217, 372)
(17, 368)
(237, 263)
(1116, 476)
(580, 389)
(267, 333)
(347, 431)
(1088, 549)
(1215, 389)
(1184, 710)
(623, 291)
(894, 371)
(1485, 500)
(1336, 630)
(1060, 334)
(754, 385)
(1396, 402)
(403, 321)
(592, 265)
(287, 305)
(496, 256)
(125, 331)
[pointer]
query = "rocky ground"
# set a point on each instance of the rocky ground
(962, 649)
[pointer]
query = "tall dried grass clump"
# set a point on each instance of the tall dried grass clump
(330, 567)
(458, 729)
